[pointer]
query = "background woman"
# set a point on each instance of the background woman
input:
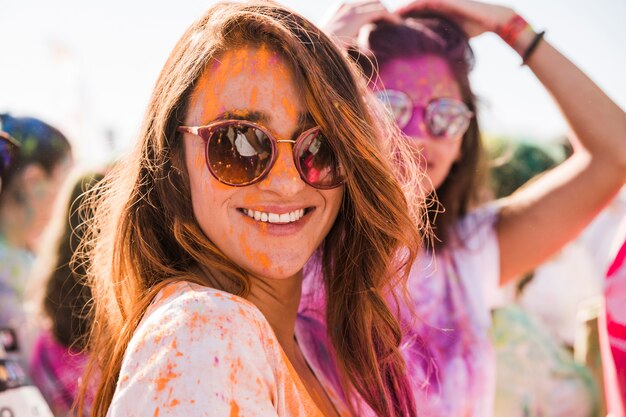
(57, 363)
(419, 66)
(29, 188)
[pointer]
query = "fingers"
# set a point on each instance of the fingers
(369, 11)
(346, 21)
(425, 5)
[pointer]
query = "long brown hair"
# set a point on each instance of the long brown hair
(145, 234)
(430, 34)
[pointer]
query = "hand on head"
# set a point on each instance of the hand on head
(474, 17)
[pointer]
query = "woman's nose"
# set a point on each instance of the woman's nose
(416, 127)
(283, 177)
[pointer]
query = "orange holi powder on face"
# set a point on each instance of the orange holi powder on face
(257, 257)
(254, 84)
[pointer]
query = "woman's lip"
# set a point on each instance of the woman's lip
(276, 209)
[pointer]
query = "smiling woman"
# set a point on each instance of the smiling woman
(259, 149)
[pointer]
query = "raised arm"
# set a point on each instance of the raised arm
(542, 217)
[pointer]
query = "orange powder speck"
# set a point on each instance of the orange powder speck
(264, 260)
(165, 377)
(234, 409)
(254, 94)
(174, 403)
(167, 291)
(156, 412)
(196, 320)
(290, 108)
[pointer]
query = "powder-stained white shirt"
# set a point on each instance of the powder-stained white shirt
(204, 352)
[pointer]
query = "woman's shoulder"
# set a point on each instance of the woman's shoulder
(198, 348)
(204, 304)
(198, 317)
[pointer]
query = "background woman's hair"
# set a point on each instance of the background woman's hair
(432, 34)
(144, 233)
(40, 143)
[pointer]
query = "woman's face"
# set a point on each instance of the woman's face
(256, 84)
(423, 79)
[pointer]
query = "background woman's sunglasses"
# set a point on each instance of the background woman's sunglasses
(240, 153)
(445, 118)
(8, 150)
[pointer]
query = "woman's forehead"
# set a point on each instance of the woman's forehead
(420, 76)
(246, 79)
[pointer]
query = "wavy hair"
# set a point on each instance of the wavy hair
(144, 234)
(432, 34)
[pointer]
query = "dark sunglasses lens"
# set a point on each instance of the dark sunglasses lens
(318, 163)
(238, 154)
(447, 118)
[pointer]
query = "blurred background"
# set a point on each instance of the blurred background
(89, 67)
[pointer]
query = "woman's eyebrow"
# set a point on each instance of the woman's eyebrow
(243, 114)
(305, 119)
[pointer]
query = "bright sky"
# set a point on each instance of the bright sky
(89, 68)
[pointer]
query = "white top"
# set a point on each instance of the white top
(203, 352)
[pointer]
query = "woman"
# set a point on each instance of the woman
(29, 187)
(57, 362)
(257, 148)
(419, 67)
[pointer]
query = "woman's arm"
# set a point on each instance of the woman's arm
(540, 218)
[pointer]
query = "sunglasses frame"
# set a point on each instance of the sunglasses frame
(204, 132)
(383, 97)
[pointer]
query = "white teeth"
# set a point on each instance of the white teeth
(283, 218)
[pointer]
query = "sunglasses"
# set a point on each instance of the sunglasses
(240, 153)
(8, 150)
(446, 118)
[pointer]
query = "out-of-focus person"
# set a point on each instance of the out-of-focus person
(17, 396)
(57, 362)
(29, 188)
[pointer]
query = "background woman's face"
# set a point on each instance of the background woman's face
(256, 84)
(423, 79)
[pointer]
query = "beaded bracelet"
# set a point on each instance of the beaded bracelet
(533, 45)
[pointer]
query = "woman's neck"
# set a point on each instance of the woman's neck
(278, 300)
